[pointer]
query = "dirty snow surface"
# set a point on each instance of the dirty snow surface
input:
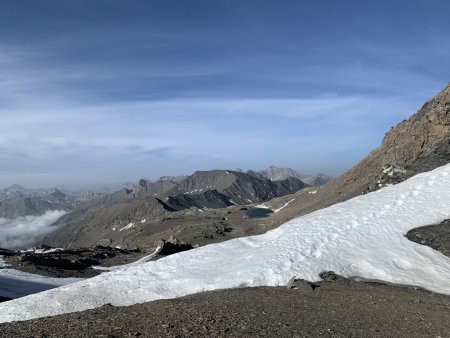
(361, 237)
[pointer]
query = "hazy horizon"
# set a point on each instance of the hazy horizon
(97, 92)
(107, 185)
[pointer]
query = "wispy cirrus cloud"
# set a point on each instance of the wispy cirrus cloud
(136, 134)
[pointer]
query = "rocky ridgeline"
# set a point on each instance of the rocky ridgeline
(217, 188)
(125, 213)
(418, 144)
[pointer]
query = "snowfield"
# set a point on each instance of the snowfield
(362, 237)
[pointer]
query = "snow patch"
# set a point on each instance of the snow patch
(42, 251)
(126, 227)
(262, 206)
(284, 206)
(140, 261)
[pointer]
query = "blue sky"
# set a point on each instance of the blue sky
(105, 91)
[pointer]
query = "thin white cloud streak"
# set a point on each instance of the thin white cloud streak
(399, 82)
(149, 139)
(27, 75)
(22, 232)
(177, 123)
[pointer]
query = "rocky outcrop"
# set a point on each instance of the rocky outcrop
(418, 144)
(436, 236)
(172, 246)
(68, 263)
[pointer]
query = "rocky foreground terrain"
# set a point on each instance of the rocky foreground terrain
(334, 308)
(69, 263)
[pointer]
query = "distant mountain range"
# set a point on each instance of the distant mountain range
(17, 201)
(154, 200)
(203, 190)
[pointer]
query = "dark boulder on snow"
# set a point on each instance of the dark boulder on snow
(329, 276)
(172, 246)
(6, 252)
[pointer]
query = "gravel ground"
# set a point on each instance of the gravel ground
(436, 236)
(339, 308)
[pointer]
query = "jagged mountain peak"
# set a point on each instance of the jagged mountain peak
(277, 174)
(54, 191)
(172, 178)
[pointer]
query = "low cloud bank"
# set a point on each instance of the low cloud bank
(23, 232)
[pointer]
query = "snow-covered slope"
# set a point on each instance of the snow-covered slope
(361, 237)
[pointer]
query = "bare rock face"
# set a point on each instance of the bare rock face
(424, 130)
(405, 147)
(417, 144)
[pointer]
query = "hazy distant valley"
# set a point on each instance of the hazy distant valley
(37, 211)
